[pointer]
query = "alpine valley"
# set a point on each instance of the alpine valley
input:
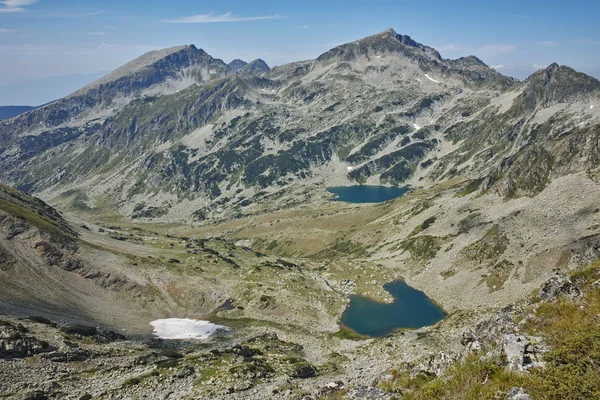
(179, 186)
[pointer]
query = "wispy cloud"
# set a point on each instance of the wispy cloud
(96, 33)
(4, 30)
(15, 6)
(213, 18)
(501, 66)
(538, 66)
(69, 14)
(547, 43)
(304, 27)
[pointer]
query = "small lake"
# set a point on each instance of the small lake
(366, 193)
(410, 309)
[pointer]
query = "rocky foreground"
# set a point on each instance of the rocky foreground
(41, 360)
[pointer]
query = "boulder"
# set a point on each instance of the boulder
(523, 352)
(434, 364)
(332, 387)
(559, 285)
(517, 393)
(15, 343)
(470, 340)
(368, 393)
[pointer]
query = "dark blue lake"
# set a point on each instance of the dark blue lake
(366, 194)
(410, 309)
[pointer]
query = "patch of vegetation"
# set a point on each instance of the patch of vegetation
(80, 330)
(142, 211)
(79, 200)
(470, 187)
(488, 249)
(349, 334)
(428, 222)
(200, 215)
(469, 222)
(450, 272)
(35, 212)
(497, 275)
(423, 248)
(342, 247)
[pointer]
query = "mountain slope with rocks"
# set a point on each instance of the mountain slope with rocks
(180, 130)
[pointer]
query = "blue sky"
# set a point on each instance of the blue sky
(42, 39)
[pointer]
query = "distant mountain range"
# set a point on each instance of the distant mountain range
(41, 91)
(10, 111)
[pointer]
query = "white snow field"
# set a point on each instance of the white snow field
(185, 328)
(431, 79)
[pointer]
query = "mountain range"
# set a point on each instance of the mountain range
(182, 186)
(10, 111)
(177, 124)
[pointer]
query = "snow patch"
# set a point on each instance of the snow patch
(431, 79)
(592, 106)
(417, 127)
(178, 328)
(349, 168)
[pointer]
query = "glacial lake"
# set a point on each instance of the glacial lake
(411, 309)
(366, 193)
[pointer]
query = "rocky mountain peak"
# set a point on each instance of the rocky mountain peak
(563, 79)
(254, 67)
(557, 84)
(387, 41)
(237, 64)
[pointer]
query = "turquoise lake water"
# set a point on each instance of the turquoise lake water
(366, 194)
(410, 309)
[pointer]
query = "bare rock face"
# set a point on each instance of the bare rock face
(470, 340)
(559, 285)
(434, 364)
(523, 352)
(16, 343)
(367, 393)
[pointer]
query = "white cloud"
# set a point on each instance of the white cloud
(497, 66)
(212, 18)
(96, 33)
(105, 46)
(538, 66)
(548, 43)
(3, 30)
(15, 6)
(68, 14)
(304, 27)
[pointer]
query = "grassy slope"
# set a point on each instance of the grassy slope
(35, 212)
(570, 327)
